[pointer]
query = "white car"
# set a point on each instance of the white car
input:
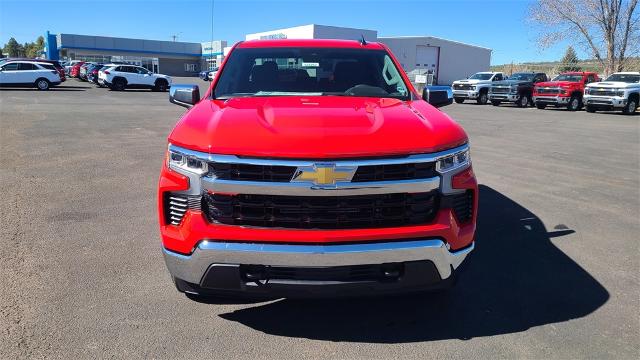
(620, 91)
(29, 74)
(212, 74)
(120, 77)
(476, 87)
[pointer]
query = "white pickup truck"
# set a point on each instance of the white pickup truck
(476, 87)
(620, 91)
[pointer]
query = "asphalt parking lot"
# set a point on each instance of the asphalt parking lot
(555, 273)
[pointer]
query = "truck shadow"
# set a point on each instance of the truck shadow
(515, 279)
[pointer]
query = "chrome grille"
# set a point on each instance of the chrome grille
(602, 92)
(462, 87)
(500, 90)
(548, 91)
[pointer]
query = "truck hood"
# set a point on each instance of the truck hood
(613, 84)
(319, 127)
(472, 81)
(554, 84)
(510, 82)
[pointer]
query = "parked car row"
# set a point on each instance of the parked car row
(573, 90)
(119, 76)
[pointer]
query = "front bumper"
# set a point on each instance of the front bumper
(466, 94)
(552, 100)
(220, 267)
(504, 97)
(606, 102)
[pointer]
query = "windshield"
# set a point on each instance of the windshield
(311, 72)
(567, 77)
(522, 76)
(481, 76)
(627, 78)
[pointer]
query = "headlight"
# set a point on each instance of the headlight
(514, 89)
(181, 162)
(620, 92)
(473, 88)
(453, 161)
(587, 91)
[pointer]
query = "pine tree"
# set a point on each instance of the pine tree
(569, 61)
(13, 49)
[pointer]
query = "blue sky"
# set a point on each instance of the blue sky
(498, 24)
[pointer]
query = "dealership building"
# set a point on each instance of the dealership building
(439, 61)
(167, 57)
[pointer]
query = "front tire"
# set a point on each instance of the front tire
(118, 85)
(632, 105)
(523, 102)
(161, 86)
(458, 100)
(42, 84)
(575, 103)
(495, 102)
(482, 98)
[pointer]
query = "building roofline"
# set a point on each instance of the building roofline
(126, 38)
(432, 37)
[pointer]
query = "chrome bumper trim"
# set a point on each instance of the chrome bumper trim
(192, 268)
(232, 159)
(551, 99)
(308, 189)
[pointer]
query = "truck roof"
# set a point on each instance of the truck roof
(317, 43)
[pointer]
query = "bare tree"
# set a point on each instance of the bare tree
(607, 29)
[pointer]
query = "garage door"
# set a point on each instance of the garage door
(427, 58)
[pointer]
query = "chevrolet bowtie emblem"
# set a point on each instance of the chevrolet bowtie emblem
(324, 174)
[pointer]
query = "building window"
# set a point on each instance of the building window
(190, 67)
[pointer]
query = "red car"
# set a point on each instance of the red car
(75, 69)
(565, 90)
(314, 168)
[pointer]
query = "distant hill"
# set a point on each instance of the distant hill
(552, 67)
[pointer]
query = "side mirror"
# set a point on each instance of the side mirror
(184, 95)
(438, 96)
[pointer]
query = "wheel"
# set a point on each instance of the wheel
(541, 106)
(42, 84)
(119, 85)
(458, 100)
(483, 98)
(161, 85)
(575, 103)
(495, 102)
(523, 101)
(590, 109)
(632, 105)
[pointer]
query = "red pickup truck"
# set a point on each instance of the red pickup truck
(565, 90)
(314, 168)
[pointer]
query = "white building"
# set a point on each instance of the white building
(313, 31)
(445, 60)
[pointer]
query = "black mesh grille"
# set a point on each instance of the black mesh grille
(246, 172)
(461, 204)
(395, 172)
(335, 273)
(321, 212)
